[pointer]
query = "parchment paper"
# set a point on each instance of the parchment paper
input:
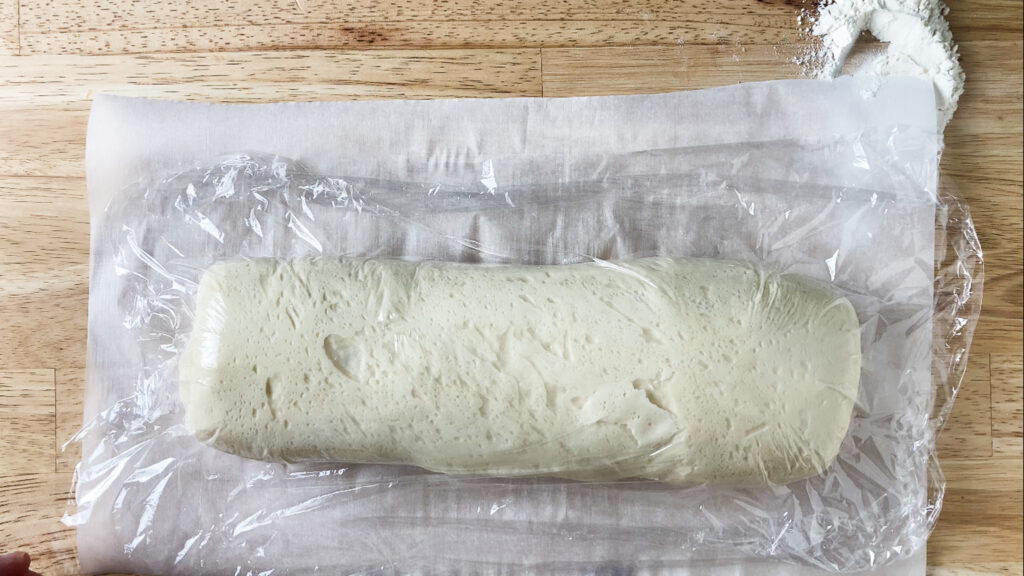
(504, 143)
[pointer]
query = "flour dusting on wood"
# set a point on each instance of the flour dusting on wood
(918, 37)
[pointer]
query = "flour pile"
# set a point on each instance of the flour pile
(919, 44)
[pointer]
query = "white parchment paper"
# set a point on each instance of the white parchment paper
(138, 516)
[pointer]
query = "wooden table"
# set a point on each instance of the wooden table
(54, 56)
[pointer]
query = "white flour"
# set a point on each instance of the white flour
(918, 37)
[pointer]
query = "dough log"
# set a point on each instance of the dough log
(683, 371)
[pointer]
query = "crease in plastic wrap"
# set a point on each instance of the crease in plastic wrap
(860, 213)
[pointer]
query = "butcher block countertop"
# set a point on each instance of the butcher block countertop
(56, 55)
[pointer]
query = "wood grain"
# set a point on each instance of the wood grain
(69, 383)
(69, 81)
(427, 34)
(54, 56)
(9, 40)
(1007, 405)
(983, 158)
(52, 148)
(642, 69)
(44, 223)
(44, 228)
(985, 19)
(27, 411)
(115, 14)
(968, 432)
(31, 506)
(981, 519)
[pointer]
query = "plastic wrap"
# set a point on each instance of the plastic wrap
(858, 213)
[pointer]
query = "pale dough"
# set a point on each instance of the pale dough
(683, 371)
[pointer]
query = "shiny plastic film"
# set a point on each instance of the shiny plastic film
(651, 361)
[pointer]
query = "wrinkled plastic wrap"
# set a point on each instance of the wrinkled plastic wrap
(860, 212)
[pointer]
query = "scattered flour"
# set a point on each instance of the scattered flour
(918, 36)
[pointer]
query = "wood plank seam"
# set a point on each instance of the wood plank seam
(584, 19)
(540, 64)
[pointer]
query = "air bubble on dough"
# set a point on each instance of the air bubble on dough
(683, 371)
